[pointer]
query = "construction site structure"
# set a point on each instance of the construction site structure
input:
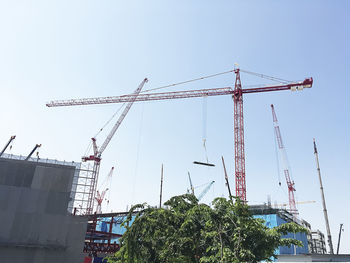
(330, 244)
(37, 225)
(318, 244)
(103, 233)
(285, 164)
(274, 217)
(237, 95)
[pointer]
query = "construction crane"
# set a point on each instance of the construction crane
(205, 191)
(340, 230)
(101, 195)
(191, 186)
(96, 157)
(99, 199)
(226, 179)
(31, 153)
(285, 165)
(325, 213)
(237, 95)
(7, 144)
(161, 187)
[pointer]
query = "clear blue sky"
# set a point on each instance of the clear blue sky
(74, 49)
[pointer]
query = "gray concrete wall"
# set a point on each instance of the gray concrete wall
(34, 223)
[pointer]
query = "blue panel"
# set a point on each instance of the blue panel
(103, 225)
(100, 260)
(273, 220)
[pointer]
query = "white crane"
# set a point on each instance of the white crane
(96, 157)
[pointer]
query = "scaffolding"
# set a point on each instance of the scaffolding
(318, 244)
(82, 184)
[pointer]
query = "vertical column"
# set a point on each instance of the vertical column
(239, 139)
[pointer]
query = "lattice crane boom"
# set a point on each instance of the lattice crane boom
(205, 191)
(176, 94)
(237, 94)
(96, 157)
(283, 154)
(122, 116)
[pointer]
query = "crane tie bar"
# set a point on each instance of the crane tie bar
(188, 81)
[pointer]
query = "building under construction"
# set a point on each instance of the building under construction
(274, 217)
(36, 200)
(43, 206)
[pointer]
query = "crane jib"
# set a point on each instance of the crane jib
(307, 83)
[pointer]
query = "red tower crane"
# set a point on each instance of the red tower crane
(237, 94)
(283, 154)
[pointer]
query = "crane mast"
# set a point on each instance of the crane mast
(283, 154)
(238, 124)
(237, 94)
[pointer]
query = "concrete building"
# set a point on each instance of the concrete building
(35, 224)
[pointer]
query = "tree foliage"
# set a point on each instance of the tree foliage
(187, 232)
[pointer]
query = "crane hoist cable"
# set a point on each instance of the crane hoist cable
(110, 119)
(204, 119)
(104, 126)
(279, 80)
(137, 153)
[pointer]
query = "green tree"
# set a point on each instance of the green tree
(187, 231)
